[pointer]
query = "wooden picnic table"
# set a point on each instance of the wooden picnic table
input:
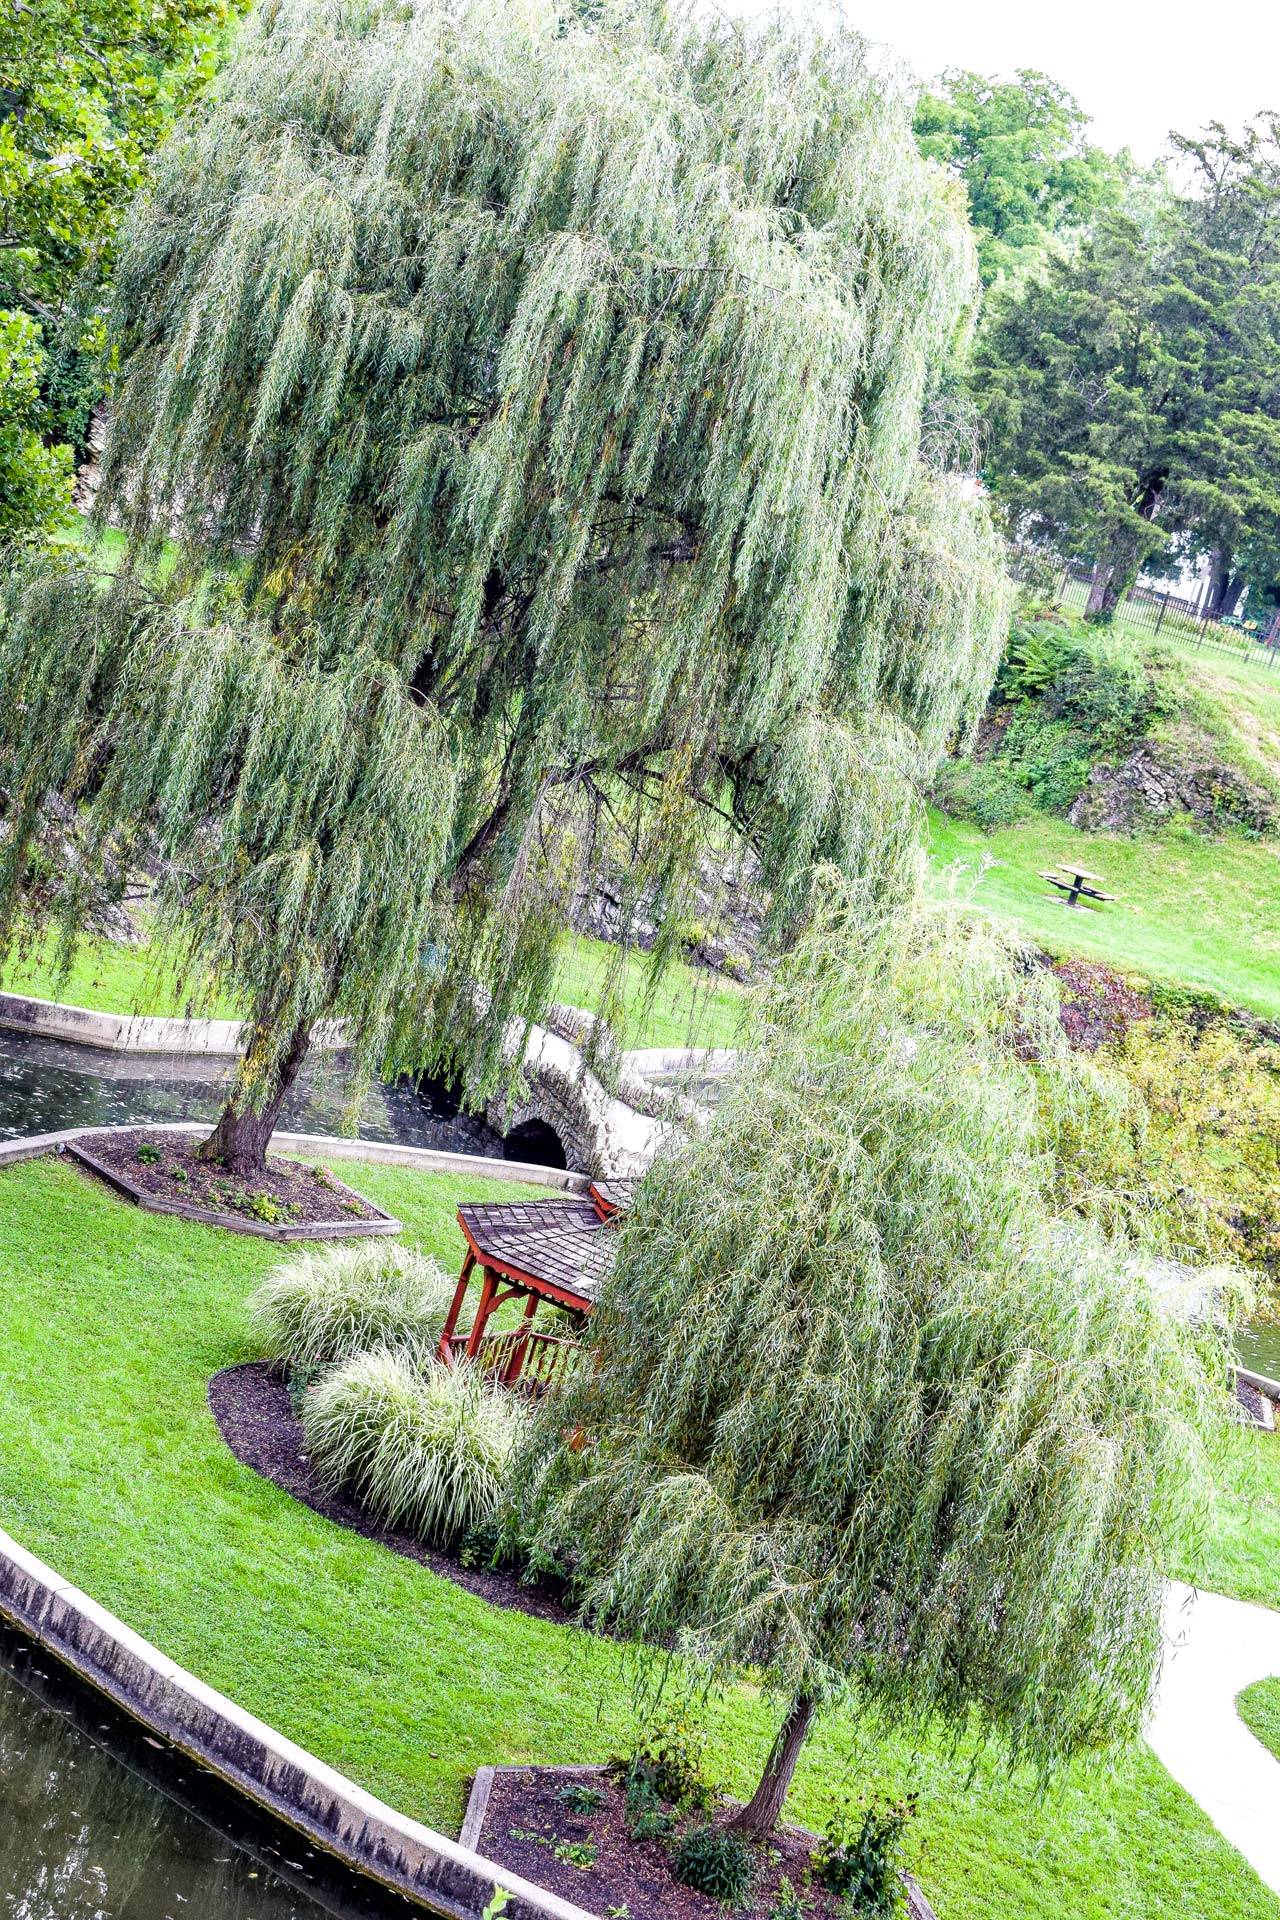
(1077, 886)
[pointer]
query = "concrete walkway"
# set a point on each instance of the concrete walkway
(1215, 1648)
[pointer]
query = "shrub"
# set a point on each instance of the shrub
(1036, 651)
(863, 1865)
(1047, 757)
(425, 1447)
(325, 1305)
(647, 1818)
(148, 1153)
(715, 1861)
(984, 791)
(786, 1902)
(1103, 689)
(671, 1755)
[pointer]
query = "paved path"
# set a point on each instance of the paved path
(1215, 1648)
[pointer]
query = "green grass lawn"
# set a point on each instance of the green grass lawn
(1201, 912)
(112, 1469)
(1241, 1555)
(1259, 1708)
(689, 1005)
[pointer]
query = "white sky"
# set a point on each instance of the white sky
(1138, 68)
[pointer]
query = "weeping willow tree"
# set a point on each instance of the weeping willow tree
(870, 1417)
(517, 425)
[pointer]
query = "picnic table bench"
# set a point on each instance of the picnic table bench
(1078, 884)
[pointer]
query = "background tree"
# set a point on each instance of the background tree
(871, 1416)
(87, 87)
(535, 408)
(1130, 384)
(1019, 146)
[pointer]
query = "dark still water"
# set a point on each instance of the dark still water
(99, 1823)
(46, 1085)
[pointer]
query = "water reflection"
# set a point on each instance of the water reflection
(46, 1085)
(98, 1822)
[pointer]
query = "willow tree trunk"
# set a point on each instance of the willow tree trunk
(239, 1141)
(764, 1809)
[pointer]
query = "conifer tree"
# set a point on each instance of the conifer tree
(533, 402)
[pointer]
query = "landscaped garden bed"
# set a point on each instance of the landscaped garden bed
(287, 1200)
(570, 1829)
(256, 1417)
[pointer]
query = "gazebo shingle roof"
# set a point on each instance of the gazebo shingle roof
(562, 1244)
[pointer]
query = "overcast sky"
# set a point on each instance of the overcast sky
(1137, 68)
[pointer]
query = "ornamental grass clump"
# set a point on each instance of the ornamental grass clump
(426, 1448)
(324, 1306)
(886, 1410)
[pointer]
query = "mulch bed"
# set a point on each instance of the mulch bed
(526, 1820)
(287, 1200)
(255, 1417)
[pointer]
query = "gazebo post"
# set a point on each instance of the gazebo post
(455, 1308)
(520, 1346)
(484, 1307)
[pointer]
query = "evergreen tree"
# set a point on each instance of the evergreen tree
(1131, 386)
(534, 405)
(877, 1413)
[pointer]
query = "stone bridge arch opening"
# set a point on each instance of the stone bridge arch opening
(536, 1140)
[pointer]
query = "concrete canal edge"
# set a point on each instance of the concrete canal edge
(322, 1146)
(441, 1875)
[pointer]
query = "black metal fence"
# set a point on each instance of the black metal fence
(1179, 617)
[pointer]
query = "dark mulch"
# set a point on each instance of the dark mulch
(255, 1417)
(285, 1193)
(527, 1820)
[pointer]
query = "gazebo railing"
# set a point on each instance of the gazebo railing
(526, 1361)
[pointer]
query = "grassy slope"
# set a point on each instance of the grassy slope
(1259, 1708)
(112, 1468)
(1189, 909)
(1241, 1555)
(688, 1005)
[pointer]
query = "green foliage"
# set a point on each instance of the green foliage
(35, 479)
(424, 1446)
(715, 1861)
(535, 406)
(1035, 653)
(647, 1816)
(1019, 148)
(786, 1904)
(325, 1305)
(671, 1756)
(985, 791)
(1049, 758)
(265, 1206)
(1120, 420)
(148, 1153)
(89, 87)
(410, 1696)
(860, 1382)
(498, 1905)
(581, 1798)
(1213, 1096)
(862, 1864)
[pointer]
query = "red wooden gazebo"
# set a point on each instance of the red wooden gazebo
(558, 1251)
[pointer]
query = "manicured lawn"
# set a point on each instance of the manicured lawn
(1202, 912)
(1259, 1708)
(1241, 1555)
(111, 1467)
(689, 1006)
(107, 978)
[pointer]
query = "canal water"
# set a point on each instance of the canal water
(49, 1084)
(100, 1822)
